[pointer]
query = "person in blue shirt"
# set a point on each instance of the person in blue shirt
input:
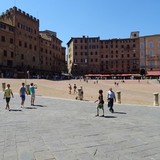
(32, 92)
(22, 92)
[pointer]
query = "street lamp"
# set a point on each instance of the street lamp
(26, 77)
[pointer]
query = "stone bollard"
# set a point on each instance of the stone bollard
(3, 86)
(119, 97)
(156, 99)
(27, 88)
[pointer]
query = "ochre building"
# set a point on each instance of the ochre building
(91, 55)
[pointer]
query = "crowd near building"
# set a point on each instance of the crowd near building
(115, 57)
(23, 48)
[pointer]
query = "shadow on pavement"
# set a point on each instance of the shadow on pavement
(109, 116)
(30, 107)
(15, 110)
(38, 105)
(120, 112)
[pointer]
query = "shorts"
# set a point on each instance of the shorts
(8, 99)
(33, 95)
(23, 97)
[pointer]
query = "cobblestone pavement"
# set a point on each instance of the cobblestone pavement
(59, 129)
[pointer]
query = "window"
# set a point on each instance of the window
(150, 44)
(11, 29)
(142, 53)
(11, 40)
(25, 45)
(5, 53)
(134, 45)
(30, 46)
(151, 64)
(150, 53)
(3, 38)
(12, 54)
(35, 48)
(142, 45)
(3, 26)
(20, 43)
(22, 56)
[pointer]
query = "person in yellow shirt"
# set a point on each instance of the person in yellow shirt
(7, 95)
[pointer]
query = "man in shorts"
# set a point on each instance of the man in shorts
(22, 92)
(32, 92)
(7, 95)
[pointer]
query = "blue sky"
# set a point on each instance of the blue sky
(104, 18)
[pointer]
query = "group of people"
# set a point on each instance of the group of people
(22, 92)
(78, 91)
(74, 88)
(110, 99)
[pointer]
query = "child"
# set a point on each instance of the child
(101, 102)
(7, 95)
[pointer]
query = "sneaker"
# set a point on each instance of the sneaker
(97, 115)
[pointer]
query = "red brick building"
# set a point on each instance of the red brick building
(23, 47)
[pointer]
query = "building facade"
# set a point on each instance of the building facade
(24, 48)
(150, 53)
(90, 55)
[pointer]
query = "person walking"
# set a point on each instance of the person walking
(7, 95)
(100, 103)
(22, 92)
(70, 88)
(75, 88)
(32, 92)
(111, 98)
